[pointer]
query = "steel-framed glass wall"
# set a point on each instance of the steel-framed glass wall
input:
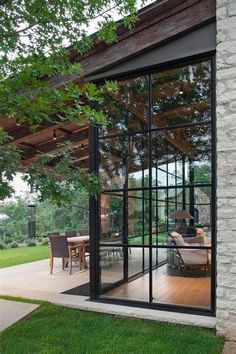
(155, 240)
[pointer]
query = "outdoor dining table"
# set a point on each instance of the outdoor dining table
(78, 239)
(81, 241)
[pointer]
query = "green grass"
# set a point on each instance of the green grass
(139, 241)
(59, 330)
(15, 256)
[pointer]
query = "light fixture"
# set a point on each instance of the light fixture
(181, 214)
(181, 90)
(54, 135)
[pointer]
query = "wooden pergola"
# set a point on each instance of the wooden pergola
(159, 23)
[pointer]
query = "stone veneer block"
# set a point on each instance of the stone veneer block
(226, 167)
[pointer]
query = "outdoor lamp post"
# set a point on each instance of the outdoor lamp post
(31, 220)
(32, 214)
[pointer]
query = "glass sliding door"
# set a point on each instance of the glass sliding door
(156, 207)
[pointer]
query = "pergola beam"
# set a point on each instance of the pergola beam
(80, 137)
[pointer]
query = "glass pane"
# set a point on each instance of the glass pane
(126, 109)
(182, 95)
(185, 279)
(112, 162)
(111, 266)
(135, 285)
(111, 216)
(138, 217)
(189, 214)
(181, 151)
(135, 261)
(138, 162)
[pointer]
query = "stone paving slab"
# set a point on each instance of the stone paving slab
(13, 311)
(229, 348)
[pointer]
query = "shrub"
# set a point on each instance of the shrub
(31, 243)
(20, 239)
(8, 240)
(14, 245)
(45, 242)
(2, 245)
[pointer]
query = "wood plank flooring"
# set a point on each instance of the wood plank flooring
(190, 290)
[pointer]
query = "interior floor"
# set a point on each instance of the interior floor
(169, 287)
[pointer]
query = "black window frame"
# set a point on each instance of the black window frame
(95, 289)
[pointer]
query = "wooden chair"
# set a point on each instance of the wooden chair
(61, 249)
(56, 233)
(86, 247)
(71, 233)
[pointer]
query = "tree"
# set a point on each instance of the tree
(33, 40)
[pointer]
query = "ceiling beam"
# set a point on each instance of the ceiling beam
(24, 132)
(76, 139)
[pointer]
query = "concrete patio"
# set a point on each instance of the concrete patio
(13, 311)
(33, 281)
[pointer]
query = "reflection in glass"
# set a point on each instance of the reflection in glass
(111, 216)
(156, 199)
(127, 108)
(113, 156)
(111, 266)
(138, 162)
(181, 152)
(138, 217)
(182, 95)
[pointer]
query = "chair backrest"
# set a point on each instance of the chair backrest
(59, 246)
(188, 256)
(71, 233)
(53, 233)
(177, 240)
(84, 233)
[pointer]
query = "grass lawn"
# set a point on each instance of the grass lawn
(59, 330)
(138, 240)
(15, 256)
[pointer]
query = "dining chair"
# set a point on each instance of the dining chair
(61, 249)
(53, 233)
(85, 232)
(71, 233)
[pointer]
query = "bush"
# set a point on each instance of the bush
(14, 245)
(2, 245)
(20, 239)
(45, 242)
(8, 240)
(31, 243)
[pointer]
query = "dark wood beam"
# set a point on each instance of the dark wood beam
(24, 132)
(76, 139)
(80, 154)
(175, 18)
(20, 133)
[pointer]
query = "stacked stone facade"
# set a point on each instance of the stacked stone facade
(226, 167)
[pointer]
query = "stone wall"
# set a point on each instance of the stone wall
(226, 167)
